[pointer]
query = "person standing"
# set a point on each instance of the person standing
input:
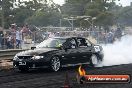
(1, 35)
(118, 33)
(26, 33)
(13, 34)
(4, 41)
(18, 38)
(9, 41)
(110, 37)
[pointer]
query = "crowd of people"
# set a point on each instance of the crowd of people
(14, 37)
(99, 36)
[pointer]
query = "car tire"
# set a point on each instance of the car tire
(94, 60)
(55, 63)
(24, 69)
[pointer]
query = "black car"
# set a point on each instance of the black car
(58, 52)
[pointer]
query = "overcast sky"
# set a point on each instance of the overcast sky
(59, 1)
(125, 2)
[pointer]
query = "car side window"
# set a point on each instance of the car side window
(73, 43)
(70, 43)
(81, 42)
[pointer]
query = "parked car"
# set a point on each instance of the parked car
(58, 52)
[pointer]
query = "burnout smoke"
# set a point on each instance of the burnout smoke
(119, 52)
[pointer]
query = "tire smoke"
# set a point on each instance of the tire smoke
(120, 52)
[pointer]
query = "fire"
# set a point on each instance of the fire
(81, 71)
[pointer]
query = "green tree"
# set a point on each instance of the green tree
(101, 9)
(42, 18)
(74, 7)
(124, 16)
(6, 12)
(37, 12)
(25, 10)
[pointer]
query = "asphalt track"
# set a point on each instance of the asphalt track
(42, 78)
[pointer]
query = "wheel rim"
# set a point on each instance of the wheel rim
(94, 59)
(55, 63)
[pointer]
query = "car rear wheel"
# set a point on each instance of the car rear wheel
(55, 63)
(94, 60)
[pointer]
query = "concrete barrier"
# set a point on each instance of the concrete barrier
(9, 53)
(6, 57)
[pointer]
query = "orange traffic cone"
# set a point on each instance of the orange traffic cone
(66, 84)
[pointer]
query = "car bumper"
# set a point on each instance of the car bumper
(32, 64)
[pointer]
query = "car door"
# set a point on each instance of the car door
(70, 55)
(85, 50)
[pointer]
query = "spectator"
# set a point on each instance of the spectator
(18, 38)
(13, 34)
(25, 30)
(9, 41)
(26, 33)
(13, 30)
(1, 35)
(110, 37)
(118, 33)
(4, 42)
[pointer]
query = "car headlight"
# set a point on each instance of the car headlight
(37, 57)
(15, 58)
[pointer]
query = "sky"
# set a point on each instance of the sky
(125, 2)
(59, 1)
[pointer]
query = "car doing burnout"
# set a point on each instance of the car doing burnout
(58, 52)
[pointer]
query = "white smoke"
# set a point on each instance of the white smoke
(120, 52)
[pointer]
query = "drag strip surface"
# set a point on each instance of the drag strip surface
(43, 78)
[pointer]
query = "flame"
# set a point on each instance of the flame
(81, 71)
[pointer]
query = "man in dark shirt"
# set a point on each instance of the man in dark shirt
(1, 35)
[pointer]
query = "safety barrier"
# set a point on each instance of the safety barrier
(9, 54)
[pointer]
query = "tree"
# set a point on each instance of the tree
(42, 18)
(124, 16)
(74, 7)
(6, 12)
(25, 10)
(101, 9)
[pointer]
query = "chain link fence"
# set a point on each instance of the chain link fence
(98, 37)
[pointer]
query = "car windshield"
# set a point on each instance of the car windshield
(51, 43)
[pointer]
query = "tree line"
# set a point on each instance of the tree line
(47, 13)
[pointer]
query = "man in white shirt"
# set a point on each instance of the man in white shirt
(18, 38)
